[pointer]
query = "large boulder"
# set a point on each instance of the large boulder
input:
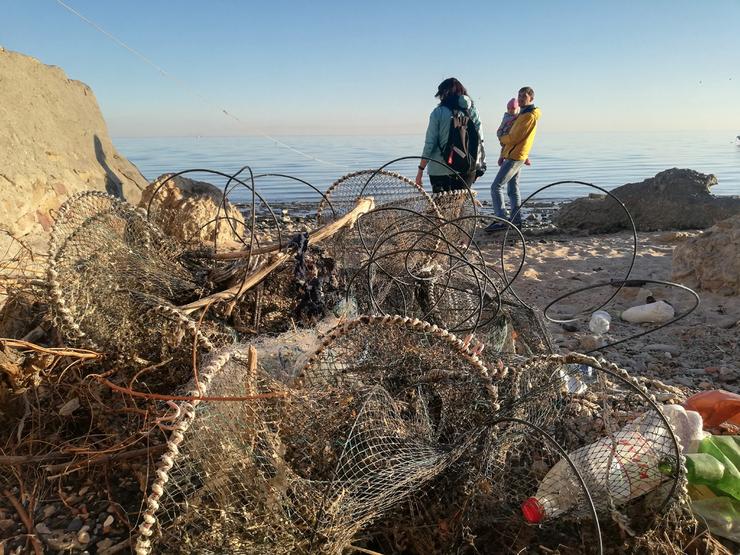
(53, 144)
(673, 199)
(193, 211)
(711, 261)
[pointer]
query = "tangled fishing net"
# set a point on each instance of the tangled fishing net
(385, 433)
(345, 448)
(328, 449)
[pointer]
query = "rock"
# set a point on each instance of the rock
(104, 544)
(711, 261)
(685, 380)
(53, 143)
(727, 323)
(663, 348)
(74, 525)
(638, 366)
(42, 528)
(6, 525)
(657, 312)
(49, 511)
(673, 199)
(83, 536)
(187, 209)
(590, 342)
(727, 374)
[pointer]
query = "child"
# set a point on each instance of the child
(512, 112)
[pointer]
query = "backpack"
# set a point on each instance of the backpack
(463, 150)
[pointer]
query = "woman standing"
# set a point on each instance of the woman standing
(452, 96)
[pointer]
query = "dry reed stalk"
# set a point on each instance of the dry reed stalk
(26, 519)
(84, 354)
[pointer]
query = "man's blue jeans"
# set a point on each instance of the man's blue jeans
(508, 175)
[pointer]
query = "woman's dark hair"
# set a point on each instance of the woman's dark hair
(450, 87)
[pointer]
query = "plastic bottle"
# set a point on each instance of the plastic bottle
(623, 467)
(600, 321)
(657, 313)
(576, 377)
(727, 451)
(722, 515)
(716, 407)
(702, 469)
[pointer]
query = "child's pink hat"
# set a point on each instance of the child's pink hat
(512, 104)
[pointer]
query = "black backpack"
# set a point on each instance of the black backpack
(463, 150)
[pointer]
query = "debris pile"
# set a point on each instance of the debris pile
(372, 384)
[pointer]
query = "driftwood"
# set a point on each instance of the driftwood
(363, 206)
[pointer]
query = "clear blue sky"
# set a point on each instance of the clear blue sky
(373, 67)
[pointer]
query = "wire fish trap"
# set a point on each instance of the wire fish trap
(425, 267)
(542, 424)
(387, 189)
(115, 280)
(411, 359)
(312, 460)
(461, 207)
(580, 440)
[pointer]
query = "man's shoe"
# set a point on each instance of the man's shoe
(496, 226)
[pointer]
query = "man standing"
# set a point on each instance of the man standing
(515, 149)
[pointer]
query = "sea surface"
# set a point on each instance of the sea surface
(604, 159)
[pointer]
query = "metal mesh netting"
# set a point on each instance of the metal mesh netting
(326, 452)
(389, 434)
(389, 415)
(424, 265)
(386, 188)
(521, 456)
(114, 279)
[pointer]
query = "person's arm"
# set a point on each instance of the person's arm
(430, 140)
(519, 131)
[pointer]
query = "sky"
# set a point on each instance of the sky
(331, 67)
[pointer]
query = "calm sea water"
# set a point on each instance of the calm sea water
(604, 159)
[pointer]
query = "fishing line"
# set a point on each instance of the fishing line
(189, 89)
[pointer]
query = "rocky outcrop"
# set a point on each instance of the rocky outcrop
(53, 143)
(711, 261)
(188, 210)
(673, 199)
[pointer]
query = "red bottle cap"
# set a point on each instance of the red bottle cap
(533, 510)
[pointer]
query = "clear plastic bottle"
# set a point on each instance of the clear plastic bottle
(722, 515)
(623, 467)
(600, 321)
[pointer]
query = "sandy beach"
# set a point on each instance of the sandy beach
(697, 352)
